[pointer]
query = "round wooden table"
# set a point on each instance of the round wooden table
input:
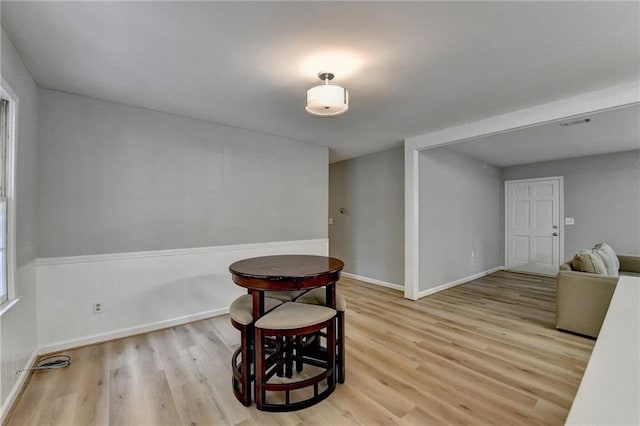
(286, 273)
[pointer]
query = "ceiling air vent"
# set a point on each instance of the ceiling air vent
(574, 122)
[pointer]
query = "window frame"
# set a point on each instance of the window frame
(10, 297)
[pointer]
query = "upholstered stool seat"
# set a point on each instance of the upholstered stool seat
(241, 315)
(285, 296)
(289, 323)
(295, 315)
(240, 310)
(318, 296)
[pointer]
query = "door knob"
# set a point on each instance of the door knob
(555, 234)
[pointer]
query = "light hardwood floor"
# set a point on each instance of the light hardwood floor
(485, 352)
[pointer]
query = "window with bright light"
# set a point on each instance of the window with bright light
(4, 142)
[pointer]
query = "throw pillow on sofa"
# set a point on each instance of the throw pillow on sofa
(588, 261)
(609, 257)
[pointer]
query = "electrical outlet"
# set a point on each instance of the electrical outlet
(97, 307)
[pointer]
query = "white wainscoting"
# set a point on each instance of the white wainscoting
(445, 286)
(141, 291)
(17, 338)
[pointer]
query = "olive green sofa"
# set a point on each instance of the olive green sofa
(582, 298)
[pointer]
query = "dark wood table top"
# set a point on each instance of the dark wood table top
(286, 273)
(286, 266)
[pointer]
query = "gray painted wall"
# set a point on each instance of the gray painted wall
(18, 325)
(601, 192)
(460, 217)
(369, 237)
(115, 178)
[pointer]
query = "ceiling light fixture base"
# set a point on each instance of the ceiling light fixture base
(324, 76)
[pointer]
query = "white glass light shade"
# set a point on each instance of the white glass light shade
(327, 100)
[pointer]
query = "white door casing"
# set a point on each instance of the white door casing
(534, 233)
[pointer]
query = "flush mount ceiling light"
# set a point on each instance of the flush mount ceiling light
(327, 100)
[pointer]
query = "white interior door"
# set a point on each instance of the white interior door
(533, 232)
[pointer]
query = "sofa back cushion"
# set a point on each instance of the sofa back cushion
(588, 261)
(609, 257)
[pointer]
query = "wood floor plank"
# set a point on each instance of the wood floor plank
(485, 352)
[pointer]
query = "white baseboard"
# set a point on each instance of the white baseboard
(17, 388)
(373, 281)
(445, 286)
(131, 331)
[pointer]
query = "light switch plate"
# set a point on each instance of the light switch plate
(569, 221)
(330, 221)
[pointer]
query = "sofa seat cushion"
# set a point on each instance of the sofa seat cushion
(588, 261)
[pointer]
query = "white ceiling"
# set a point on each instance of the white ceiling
(411, 68)
(610, 131)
